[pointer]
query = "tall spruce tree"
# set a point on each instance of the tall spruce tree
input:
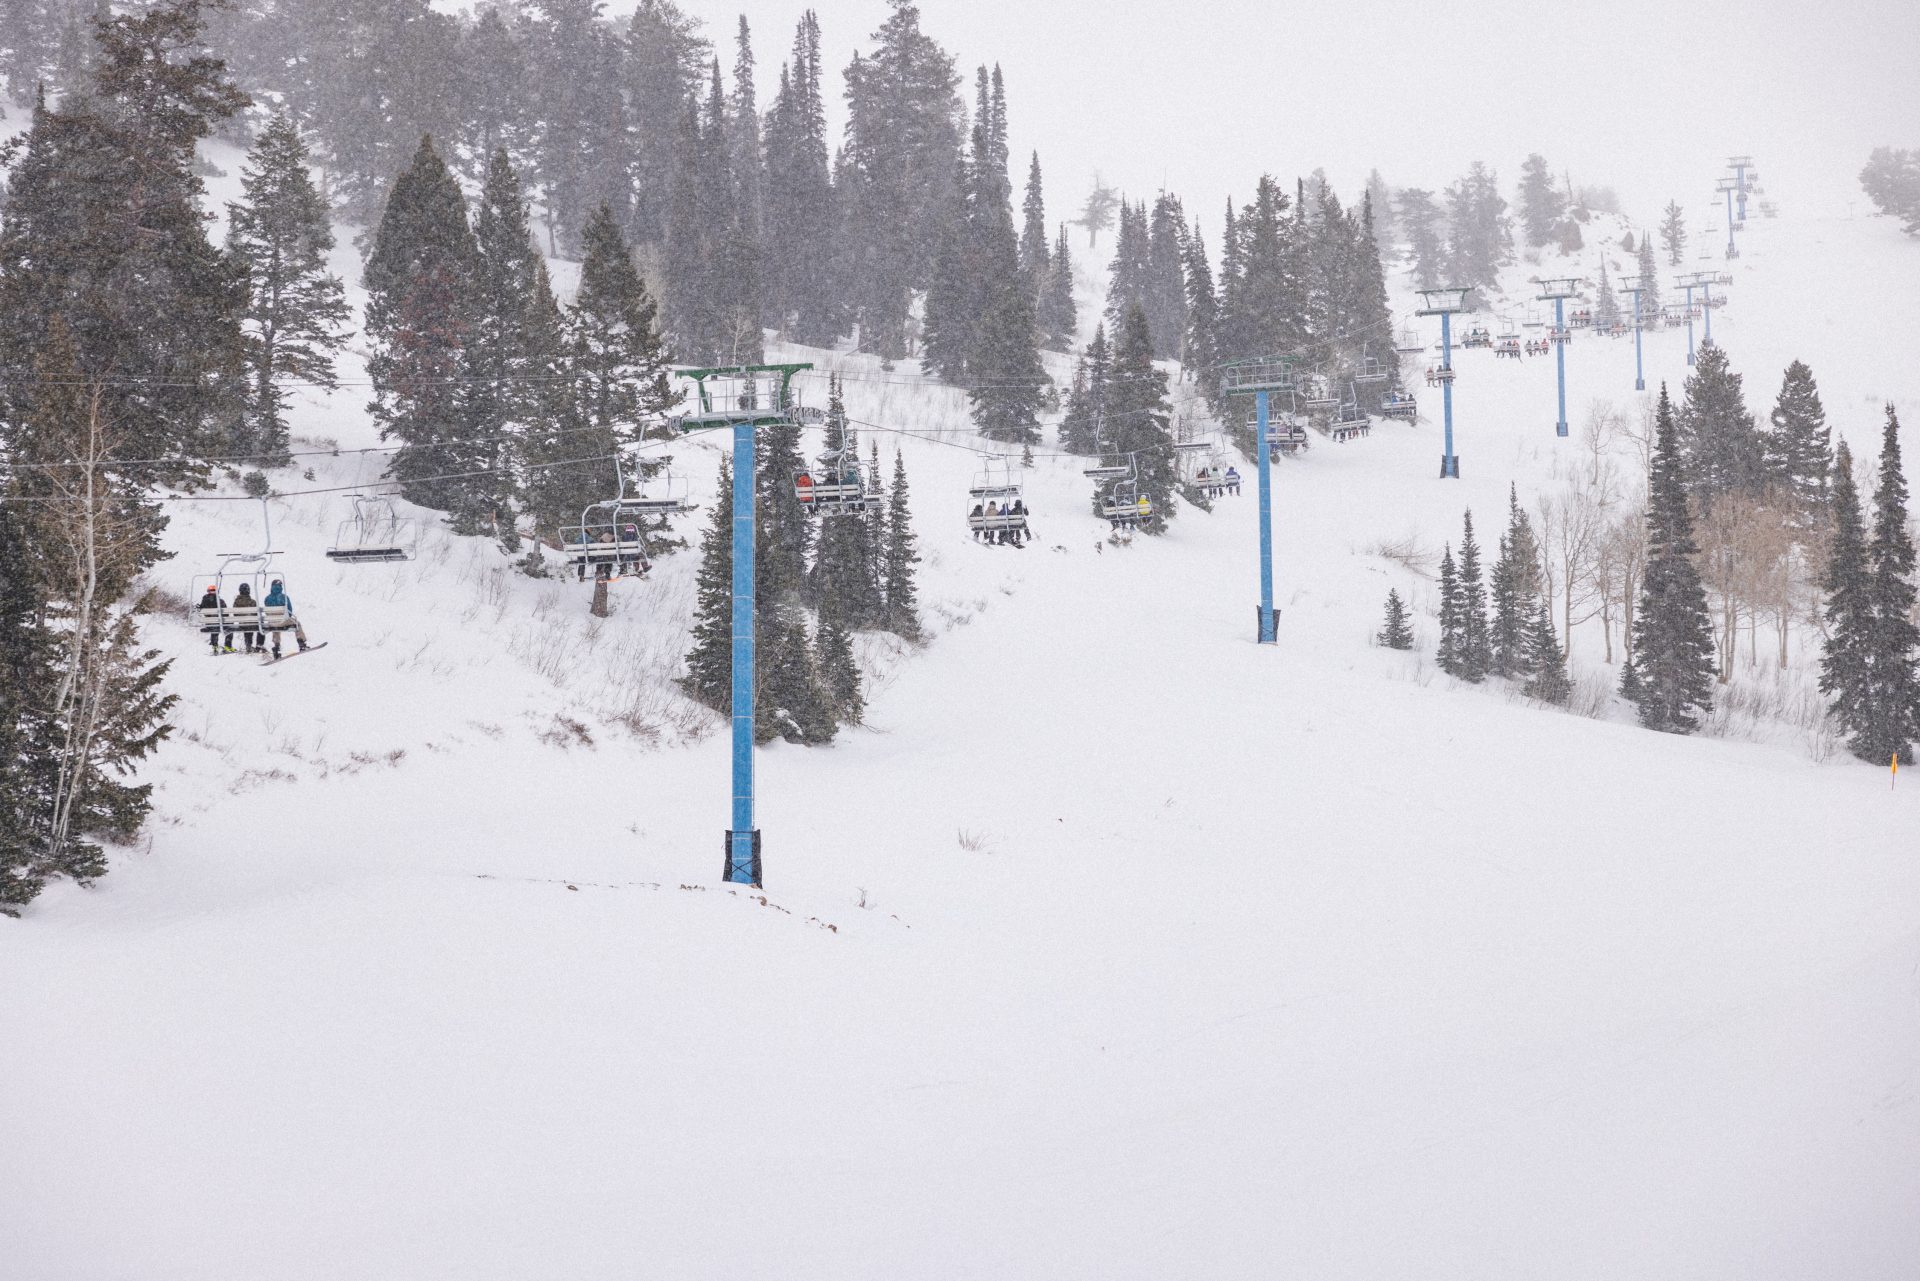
(618, 350)
(1419, 218)
(1542, 205)
(1514, 588)
(281, 233)
(1139, 420)
(839, 671)
(563, 458)
(1649, 277)
(1846, 662)
(844, 580)
(497, 351)
(1892, 719)
(1673, 233)
(1670, 676)
(102, 228)
(1449, 657)
(803, 294)
(421, 309)
(1083, 428)
(709, 678)
(1036, 254)
(1720, 447)
(1059, 313)
(1798, 450)
(901, 171)
(901, 555)
(1546, 665)
(1476, 648)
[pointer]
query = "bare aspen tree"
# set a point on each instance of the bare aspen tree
(1572, 523)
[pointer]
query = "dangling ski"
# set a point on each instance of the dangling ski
(292, 653)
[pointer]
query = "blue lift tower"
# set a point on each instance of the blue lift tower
(1445, 303)
(1747, 178)
(1557, 292)
(1637, 285)
(1260, 377)
(745, 398)
(1731, 186)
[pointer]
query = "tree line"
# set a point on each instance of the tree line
(1738, 524)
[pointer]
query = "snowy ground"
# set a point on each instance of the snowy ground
(1115, 947)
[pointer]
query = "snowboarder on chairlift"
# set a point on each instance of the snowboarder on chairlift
(1233, 480)
(277, 598)
(212, 601)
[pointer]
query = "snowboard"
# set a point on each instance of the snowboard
(292, 653)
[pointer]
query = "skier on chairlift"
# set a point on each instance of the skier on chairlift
(243, 599)
(212, 601)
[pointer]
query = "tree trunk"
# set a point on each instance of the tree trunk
(599, 607)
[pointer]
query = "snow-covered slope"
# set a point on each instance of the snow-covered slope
(1115, 947)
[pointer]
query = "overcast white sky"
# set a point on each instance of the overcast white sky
(1649, 96)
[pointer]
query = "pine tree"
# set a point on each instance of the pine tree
(1130, 276)
(1419, 217)
(1546, 666)
(1720, 448)
(1798, 450)
(1008, 381)
(1059, 313)
(90, 708)
(1542, 205)
(554, 436)
(1670, 676)
(1606, 304)
(1083, 427)
(1139, 418)
(1476, 650)
(845, 578)
(1203, 317)
(901, 555)
(1036, 255)
(899, 170)
(496, 352)
(1166, 296)
(421, 309)
(709, 678)
(282, 234)
(1514, 589)
(839, 671)
(1673, 234)
(802, 292)
(1892, 721)
(619, 353)
(1449, 657)
(1846, 665)
(790, 702)
(1397, 633)
(1649, 276)
(103, 229)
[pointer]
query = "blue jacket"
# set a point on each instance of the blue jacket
(277, 598)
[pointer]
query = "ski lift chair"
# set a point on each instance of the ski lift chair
(375, 534)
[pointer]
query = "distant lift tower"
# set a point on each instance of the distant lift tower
(1557, 292)
(1689, 284)
(1260, 378)
(1731, 186)
(1636, 285)
(1704, 281)
(1446, 303)
(1746, 176)
(745, 398)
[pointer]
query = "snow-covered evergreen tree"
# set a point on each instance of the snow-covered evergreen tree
(1397, 631)
(1798, 450)
(1673, 234)
(901, 555)
(1138, 419)
(1448, 657)
(1670, 676)
(1542, 205)
(1891, 719)
(1546, 662)
(1720, 448)
(1476, 647)
(297, 308)
(1059, 313)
